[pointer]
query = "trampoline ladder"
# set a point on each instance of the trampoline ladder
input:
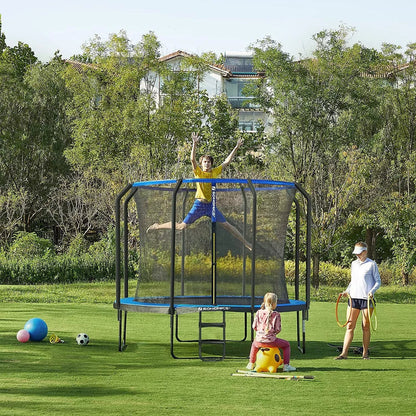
(220, 341)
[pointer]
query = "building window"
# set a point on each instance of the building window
(239, 64)
(234, 88)
(251, 121)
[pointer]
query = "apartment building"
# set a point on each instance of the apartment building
(229, 79)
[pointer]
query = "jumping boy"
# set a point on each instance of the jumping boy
(203, 200)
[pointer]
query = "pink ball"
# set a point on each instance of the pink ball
(23, 335)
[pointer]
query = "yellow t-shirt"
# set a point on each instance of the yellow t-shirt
(203, 190)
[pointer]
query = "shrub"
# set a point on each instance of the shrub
(390, 274)
(58, 269)
(31, 260)
(338, 276)
(333, 275)
(77, 246)
(29, 245)
(98, 264)
(106, 246)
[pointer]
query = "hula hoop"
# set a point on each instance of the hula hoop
(374, 325)
(336, 311)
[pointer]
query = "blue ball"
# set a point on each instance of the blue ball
(37, 329)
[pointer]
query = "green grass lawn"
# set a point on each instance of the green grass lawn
(104, 293)
(42, 378)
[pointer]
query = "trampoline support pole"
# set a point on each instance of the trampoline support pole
(213, 245)
(253, 254)
(125, 330)
(118, 262)
(119, 318)
(172, 267)
(305, 313)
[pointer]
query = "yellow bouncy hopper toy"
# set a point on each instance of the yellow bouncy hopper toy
(268, 359)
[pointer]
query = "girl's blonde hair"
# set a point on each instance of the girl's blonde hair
(269, 303)
(269, 300)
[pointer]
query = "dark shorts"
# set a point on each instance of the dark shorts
(202, 209)
(360, 303)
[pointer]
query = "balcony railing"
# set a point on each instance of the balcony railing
(242, 102)
(243, 69)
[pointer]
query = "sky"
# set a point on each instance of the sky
(200, 26)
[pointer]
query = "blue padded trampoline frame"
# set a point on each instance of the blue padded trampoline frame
(176, 305)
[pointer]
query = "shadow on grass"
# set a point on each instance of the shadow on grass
(103, 359)
(315, 350)
(394, 349)
(403, 295)
(68, 391)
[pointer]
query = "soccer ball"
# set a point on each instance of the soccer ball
(82, 339)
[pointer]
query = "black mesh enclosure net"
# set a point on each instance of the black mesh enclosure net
(210, 259)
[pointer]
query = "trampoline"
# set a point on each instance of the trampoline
(205, 268)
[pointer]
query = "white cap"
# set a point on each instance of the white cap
(359, 249)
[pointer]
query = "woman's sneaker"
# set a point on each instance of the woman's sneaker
(288, 367)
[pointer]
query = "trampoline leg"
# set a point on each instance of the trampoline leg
(120, 323)
(125, 330)
(304, 332)
(301, 348)
(172, 332)
(245, 326)
(122, 329)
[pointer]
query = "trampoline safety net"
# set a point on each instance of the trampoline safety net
(271, 203)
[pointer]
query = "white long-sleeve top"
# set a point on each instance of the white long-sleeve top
(365, 279)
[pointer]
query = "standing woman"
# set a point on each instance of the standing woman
(365, 280)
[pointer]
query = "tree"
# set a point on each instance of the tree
(123, 128)
(397, 140)
(33, 133)
(133, 114)
(398, 218)
(20, 57)
(2, 39)
(75, 208)
(321, 109)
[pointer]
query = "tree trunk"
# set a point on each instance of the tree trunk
(370, 239)
(405, 278)
(315, 270)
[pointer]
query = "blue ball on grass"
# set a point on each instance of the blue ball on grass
(37, 329)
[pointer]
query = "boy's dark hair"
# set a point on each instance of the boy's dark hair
(208, 157)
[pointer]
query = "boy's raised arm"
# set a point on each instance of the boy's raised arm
(230, 157)
(195, 140)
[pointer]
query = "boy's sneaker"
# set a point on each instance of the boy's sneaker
(250, 366)
(288, 367)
